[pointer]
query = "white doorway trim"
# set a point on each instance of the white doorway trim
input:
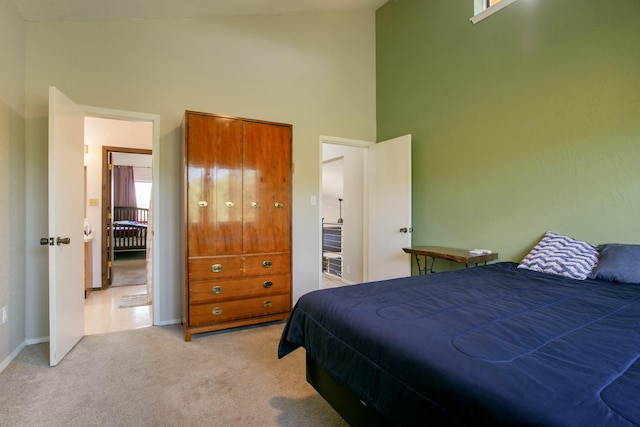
(343, 141)
(155, 191)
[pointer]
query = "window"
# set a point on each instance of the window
(484, 8)
(143, 194)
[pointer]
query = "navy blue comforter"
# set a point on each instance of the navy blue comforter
(491, 345)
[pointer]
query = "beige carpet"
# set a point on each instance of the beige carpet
(151, 377)
(129, 272)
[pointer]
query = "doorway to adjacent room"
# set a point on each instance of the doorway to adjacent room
(367, 214)
(124, 280)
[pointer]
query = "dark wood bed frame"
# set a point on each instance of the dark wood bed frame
(130, 237)
(131, 213)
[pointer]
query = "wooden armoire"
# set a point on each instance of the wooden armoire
(237, 221)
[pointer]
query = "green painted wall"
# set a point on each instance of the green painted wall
(525, 122)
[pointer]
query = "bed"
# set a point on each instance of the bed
(129, 230)
(490, 345)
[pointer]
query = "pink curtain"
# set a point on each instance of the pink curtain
(124, 188)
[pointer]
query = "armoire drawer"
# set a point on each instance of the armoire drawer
(225, 289)
(215, 268)
(257, 265)
(203, 314)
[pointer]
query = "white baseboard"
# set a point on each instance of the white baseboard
(12, 356)
(168, 322)
(37, 340)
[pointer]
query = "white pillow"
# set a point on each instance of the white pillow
(562, 255)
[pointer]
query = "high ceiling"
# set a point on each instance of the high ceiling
(89, 10)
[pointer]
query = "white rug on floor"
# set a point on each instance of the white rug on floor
(134, 300)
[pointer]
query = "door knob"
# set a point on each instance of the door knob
(63, 240)
(406, 230)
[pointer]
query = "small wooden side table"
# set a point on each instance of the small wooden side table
(462, 256)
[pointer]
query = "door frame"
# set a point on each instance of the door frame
(107, 194)
(107, 113)
(325, 139)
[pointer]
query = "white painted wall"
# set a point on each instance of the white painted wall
(12, 181)
(316, 72)
(12, 47)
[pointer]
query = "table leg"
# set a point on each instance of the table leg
(418, 263)
(430, 269)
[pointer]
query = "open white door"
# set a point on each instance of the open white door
(66, 240)
(389, 172)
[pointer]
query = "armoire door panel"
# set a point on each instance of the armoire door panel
(214, 193)
(267, 188)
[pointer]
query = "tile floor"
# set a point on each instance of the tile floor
(102, 315)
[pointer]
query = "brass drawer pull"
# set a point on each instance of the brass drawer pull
(267, 304)
(279, 205)
(217, 311)
(202, 204)
(216, 290)
(255, 204)
(216, 268)
(267, 284)
(266, 264)
(229, 204)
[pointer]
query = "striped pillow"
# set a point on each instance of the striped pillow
(562, 255)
